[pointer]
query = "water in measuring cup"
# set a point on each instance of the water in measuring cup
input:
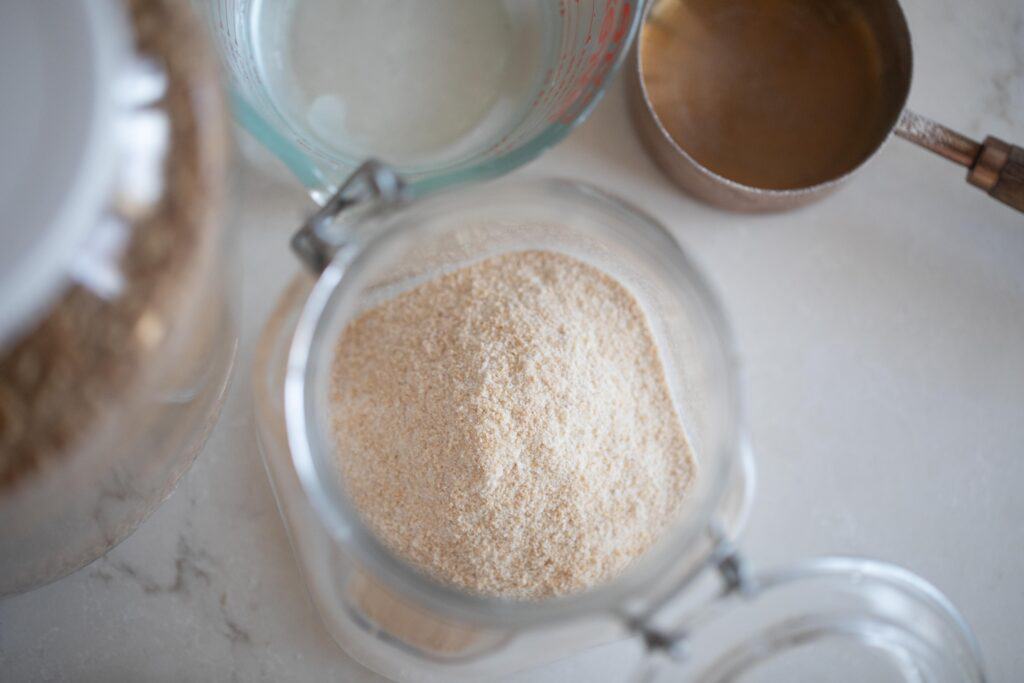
(407, 81)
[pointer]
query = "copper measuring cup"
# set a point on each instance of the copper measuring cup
(995, 166)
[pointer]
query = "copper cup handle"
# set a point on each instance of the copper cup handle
(995, 166)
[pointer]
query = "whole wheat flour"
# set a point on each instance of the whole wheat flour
(508, 427)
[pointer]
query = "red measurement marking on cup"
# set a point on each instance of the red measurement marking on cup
(580, 69)
(589, 69)
(559, 82)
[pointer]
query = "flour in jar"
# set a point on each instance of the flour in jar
(508, 427)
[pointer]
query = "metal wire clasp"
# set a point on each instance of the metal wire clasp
(317, 242)
(671, 643)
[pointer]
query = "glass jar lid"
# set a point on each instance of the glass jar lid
(837, 619)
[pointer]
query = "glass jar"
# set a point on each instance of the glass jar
(117, 322)
(857, 618)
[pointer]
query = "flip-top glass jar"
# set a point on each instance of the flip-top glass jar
(117, 329)
(851, 615)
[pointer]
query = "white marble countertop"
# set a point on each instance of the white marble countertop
(882, 332)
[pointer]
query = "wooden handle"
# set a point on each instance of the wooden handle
(999, 170)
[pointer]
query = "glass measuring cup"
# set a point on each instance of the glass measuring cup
(318, 83)
(408, 626)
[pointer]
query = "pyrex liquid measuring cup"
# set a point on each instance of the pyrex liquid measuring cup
(855, 618)
(446, 92)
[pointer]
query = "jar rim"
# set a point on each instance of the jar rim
(61, 183)
(659, 567)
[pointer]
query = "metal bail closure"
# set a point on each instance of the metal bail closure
(315, 242)
(672, 644)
